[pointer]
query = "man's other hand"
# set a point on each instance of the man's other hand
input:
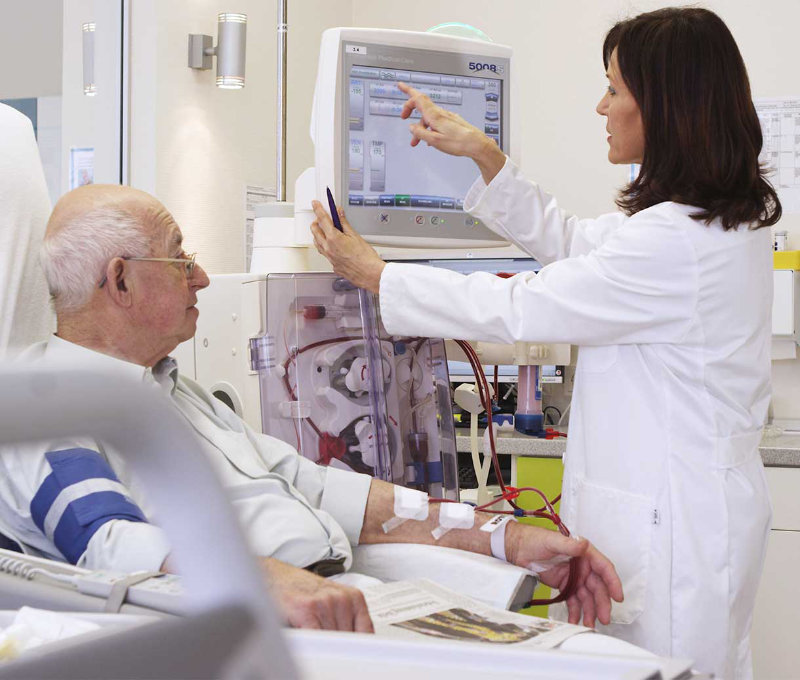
(310, 601)
(548, 553)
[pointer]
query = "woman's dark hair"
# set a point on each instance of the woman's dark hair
(702, 134)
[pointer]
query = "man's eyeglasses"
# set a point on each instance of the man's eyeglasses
(188, 262)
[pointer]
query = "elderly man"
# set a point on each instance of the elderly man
(124, 292)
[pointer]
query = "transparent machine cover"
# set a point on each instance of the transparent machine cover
(345, 393)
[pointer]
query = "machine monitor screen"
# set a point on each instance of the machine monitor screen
(393, 189)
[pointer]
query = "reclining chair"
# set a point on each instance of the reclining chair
(25, 314)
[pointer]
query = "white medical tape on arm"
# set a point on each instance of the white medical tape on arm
(454, 516)
(408, 504)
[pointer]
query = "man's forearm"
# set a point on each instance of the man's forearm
(380, 507)
(545, 551)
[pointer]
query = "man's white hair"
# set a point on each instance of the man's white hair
(74, 259)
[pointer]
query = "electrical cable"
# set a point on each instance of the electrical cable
(14, 567)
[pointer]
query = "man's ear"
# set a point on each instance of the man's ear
(117, 282)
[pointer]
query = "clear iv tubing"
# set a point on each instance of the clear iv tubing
(547, 511)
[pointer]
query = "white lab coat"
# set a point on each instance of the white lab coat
(662, 471)
(25, 313)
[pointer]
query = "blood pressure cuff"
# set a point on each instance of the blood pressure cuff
(80, 495)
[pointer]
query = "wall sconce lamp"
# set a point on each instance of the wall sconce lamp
(230, 50)
(89, 88)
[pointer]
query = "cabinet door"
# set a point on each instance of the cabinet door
(784, 492)
(783, 302)
(544, 474)
(776, 653)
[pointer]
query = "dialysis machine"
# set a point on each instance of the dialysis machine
(325, 377)
(346, 394)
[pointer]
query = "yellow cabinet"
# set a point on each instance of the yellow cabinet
(545, 474)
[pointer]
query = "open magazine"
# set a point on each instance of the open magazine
(410, 609)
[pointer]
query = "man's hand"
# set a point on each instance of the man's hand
(309, 601)
(548, 553)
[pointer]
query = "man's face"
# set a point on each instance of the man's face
(164, 295)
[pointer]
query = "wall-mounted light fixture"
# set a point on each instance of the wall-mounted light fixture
(230, 50)
(89, 88)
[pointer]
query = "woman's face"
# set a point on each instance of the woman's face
(624, 120)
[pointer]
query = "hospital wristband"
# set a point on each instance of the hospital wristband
(497, 541)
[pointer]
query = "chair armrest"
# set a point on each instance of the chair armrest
(480, 577)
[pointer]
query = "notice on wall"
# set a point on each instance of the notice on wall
(253, 196)
(780, 125)
(81, 166)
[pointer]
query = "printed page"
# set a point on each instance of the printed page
(414, 609)
(780, 125)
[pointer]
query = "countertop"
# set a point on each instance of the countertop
(777, 450)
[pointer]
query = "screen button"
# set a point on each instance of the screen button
(353, 199)
(447, 204)
(386, 200)
(425, 202)
(402, 200)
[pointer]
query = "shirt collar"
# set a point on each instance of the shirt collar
(62, 350)
(164, 373)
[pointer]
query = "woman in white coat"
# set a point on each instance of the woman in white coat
(669, 300)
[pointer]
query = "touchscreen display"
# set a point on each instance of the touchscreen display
(384, 169)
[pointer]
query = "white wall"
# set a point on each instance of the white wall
(30, 49)
(195, 146)
(91, 121)
(77, 110)
(48, 139)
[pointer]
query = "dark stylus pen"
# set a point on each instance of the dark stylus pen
(334, 212)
